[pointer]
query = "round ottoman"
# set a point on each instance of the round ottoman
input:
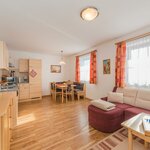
(105, 121)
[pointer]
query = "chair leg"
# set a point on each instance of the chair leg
(73, 97)
(78, 97)
(55, 97)
(66, 97)
(83, 97)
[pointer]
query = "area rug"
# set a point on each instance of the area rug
(118, 141)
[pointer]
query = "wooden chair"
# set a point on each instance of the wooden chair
(69, 92)
(54, 91)
(80, 90)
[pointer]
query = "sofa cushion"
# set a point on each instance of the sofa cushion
(129, 95)
(107, 106)
(123, 106)
(131, 112)
(120, 90)
(105, 121)
(115, 97)
(106, 115)
(143, 99)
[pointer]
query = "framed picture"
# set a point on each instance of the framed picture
(55, 68)
(106, 66)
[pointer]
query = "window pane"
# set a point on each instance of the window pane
(85, 68)
(138, 62)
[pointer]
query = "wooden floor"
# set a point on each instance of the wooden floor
(49, 125)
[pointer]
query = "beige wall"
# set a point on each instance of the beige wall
(104, 51)
(47, 60)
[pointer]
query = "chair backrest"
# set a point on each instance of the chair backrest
(52, 86)
(69, 88)
(79, 86)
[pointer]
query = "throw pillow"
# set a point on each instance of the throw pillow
(115, 97)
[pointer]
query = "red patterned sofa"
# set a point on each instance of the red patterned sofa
(135, 102)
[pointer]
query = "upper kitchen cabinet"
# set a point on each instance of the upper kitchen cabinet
(4, 56)
(24, 65)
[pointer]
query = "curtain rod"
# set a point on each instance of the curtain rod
(134, 38)
(87, 53)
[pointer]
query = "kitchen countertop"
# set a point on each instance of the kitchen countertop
(24, 83)
(9, 89)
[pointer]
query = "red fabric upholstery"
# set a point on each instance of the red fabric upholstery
(123, 106)
(104, 98)
(110, 121)
(130, 112)
(105, 121)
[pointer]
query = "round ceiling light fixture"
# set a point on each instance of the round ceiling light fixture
(89, 13)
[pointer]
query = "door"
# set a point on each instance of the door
(35, 71)
(35, 78)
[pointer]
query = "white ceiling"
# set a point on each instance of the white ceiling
(50, 26)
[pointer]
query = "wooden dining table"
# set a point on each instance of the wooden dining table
(63, 87)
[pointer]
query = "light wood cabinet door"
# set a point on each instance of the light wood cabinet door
(24, 90)
(4, 56)
(23, 65)
(5, 134)
(35, 71)
(8, 120)
(35, 91)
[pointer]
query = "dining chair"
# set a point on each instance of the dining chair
(69, 92)
(55, 91)
(80, 90)
(52, 89)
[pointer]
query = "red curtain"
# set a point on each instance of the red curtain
(93, 76)
(120, 64)
(77, 69)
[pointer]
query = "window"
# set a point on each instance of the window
(138, 62)
(84, 68)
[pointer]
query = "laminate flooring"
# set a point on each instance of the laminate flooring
(50, 125)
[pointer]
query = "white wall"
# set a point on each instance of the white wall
(47, 60)
(107, 50)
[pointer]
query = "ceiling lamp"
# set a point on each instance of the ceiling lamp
(62, 62)
(89, 13)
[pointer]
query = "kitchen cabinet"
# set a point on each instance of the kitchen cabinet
(32, 90)
(23, 65)
(35, 79)
(8, 117)
(35, 91)
(4, 56)
(24, 90)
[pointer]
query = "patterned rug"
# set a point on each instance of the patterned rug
(118, 141)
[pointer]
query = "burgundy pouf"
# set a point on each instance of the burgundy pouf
(105, 121)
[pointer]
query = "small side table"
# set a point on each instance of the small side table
(135, 127)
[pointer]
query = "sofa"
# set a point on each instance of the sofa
(135, 101)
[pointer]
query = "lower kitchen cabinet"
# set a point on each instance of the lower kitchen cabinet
(8, 117)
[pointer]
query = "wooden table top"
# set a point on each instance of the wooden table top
(63, 85)
(135, 123)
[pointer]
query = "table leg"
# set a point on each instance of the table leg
(146, 144)
(62, 95)
(130, 140)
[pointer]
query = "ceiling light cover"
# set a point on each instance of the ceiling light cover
(89, 13)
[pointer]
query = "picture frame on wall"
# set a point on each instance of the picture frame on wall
(55, 68)
(106, 66)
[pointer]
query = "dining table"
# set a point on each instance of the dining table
(63, 87)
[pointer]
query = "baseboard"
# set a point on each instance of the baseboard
(46, 96)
